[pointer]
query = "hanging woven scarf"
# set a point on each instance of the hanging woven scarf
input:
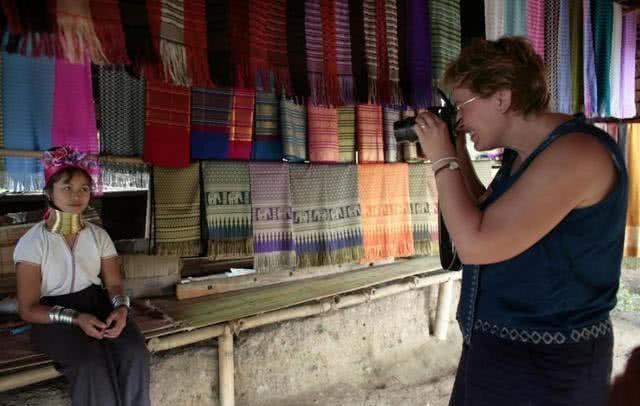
(227, 194)
(276, 40)
(167, 123)
(210, 122)
(329, 51)
(494, 18)
(392, 44)
(418, 53)
(176, 211)
(565, 90)
(615, 67)
(445, 34)
(577, 66)
(632, 234)
(589, 72)
(551, 57)
(423, 201)
(76, 33)
(120, 106)
(123, 176)
(171, 43)
(27, 93)
(358, 51)
(273, 243)
(31, 25)
(627, 86)
(293, 120)
(322, 133)
(343, 52)
(296, 48)
(326, 214)
(218, 13)
(74, 117)
(267, 143)
(382, 53)
(242, 105)
(515, 19)
(390, 116)
(472, 20)
(108, 26)
(535, 25)
(371, 49)
(258, 61)
(386, 218)
(137, 32)
(602, 20)
(195, 41)
(347, 134)
(369, 133)
(314, 51)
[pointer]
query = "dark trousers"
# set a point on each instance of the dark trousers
(110, 372)
(495, 371)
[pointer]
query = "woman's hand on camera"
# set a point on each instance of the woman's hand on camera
(434, 136)
(91, 325)
(116, 321)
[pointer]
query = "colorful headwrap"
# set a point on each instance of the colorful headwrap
(63, 157)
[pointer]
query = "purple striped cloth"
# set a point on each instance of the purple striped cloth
(273, 243)
(627, 80)
(314, 48)
(590, 82)
(343, 52)
(535, 25)
(419, 53)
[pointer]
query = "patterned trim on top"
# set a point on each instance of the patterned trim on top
(594, 331)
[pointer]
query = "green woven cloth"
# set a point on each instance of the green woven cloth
(423, 200)
(293, 119)
(227, 194)
(326, 214)
(577, 85)
(347, 133)
(445, 34)
(176, 211)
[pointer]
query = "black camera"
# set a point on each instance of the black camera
(404, 130)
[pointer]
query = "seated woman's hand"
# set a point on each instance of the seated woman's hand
(91, 325)
(116, 321)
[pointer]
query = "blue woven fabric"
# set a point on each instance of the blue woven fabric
(602, 20)
(515, 18)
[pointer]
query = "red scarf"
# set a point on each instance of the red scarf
(277, 45)
(108, 26)
(328, 12)
(195, 40)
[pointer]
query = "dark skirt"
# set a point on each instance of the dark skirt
(494, 371)
(100, 372)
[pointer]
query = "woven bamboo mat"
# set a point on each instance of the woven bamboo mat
(210, 310)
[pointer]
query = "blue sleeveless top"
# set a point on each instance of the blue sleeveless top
(562, 288)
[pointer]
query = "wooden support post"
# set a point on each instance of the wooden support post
(443, 313)
(226, 385)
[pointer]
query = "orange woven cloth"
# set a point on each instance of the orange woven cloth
(369, 133)
(385, 212)
(323, 133)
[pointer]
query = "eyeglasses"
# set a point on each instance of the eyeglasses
(459, 106)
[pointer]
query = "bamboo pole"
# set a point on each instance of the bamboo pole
(226, 385)
(158, 344)
(104, 158)
(24, 378)
(445, 297)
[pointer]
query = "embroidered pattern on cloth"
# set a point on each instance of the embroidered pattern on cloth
(167, 122)
(322, 133)
(274, 246)
(210, 122)
(386, 217)
(597, 330)
(267, 143)
(176, 211)
(369, 133)
(347, 134)
(120, 107)
(326, 214)
(423, 201)
(227, 193)
(293, 120)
